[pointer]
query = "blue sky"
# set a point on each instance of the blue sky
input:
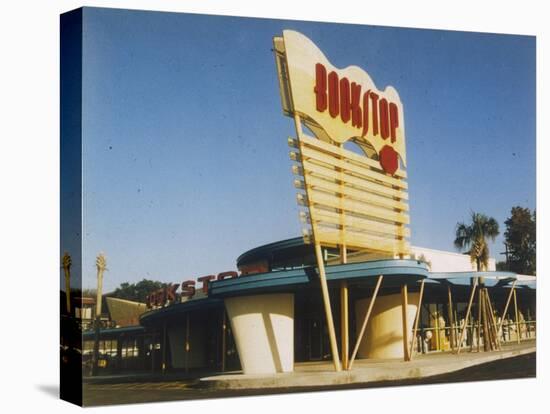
(184, 143)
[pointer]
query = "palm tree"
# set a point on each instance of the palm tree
(101, 264)
(67, 268)
(474, 237)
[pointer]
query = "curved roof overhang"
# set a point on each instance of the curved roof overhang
(396, 272)
(114, 332)
(489, 279)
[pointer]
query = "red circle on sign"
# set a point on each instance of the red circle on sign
(389, 159)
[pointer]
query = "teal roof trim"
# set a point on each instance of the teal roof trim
(400, 270)
(114, 331)
(491, 279)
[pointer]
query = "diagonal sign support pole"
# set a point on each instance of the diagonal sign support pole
(322, 272)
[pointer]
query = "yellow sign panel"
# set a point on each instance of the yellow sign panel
(338, 104)
(354, 200)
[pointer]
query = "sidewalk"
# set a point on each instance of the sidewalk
(133, 377)
(313, 374)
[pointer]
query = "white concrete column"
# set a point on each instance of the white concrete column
(384, 335)
(263, 328)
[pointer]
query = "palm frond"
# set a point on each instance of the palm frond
(475, 235)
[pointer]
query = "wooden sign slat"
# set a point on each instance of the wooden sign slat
(356, 240)
(310, 153)
(318, 197)
(361, 223)
(355, 194)
(325, 172)
(348, 155)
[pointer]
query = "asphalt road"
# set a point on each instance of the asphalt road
(140, 392)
